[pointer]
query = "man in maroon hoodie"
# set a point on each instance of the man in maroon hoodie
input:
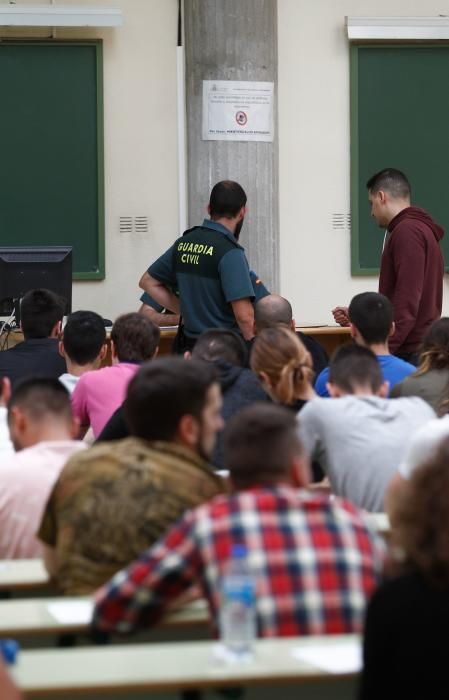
(412, 264)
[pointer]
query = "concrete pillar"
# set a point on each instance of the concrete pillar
(234, 40)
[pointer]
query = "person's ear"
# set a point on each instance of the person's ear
(61, 348)
(155, 353)
(113, 351)
(56, 330)
(75, 427)
(300, 472)
(333, 390)
(17, 420)
(188, 431)
(382, 196)
(103, 352)
(384, 390)
(392, 330)
(187, 355)
(208, 209)
(293, 325)
(6, 391)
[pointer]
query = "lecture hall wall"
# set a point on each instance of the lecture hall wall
(141, 147)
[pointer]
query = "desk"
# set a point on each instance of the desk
(23, 574)
(330, 337)
(34, 617)
(172, 666)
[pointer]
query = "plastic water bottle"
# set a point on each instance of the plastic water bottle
(238, 610)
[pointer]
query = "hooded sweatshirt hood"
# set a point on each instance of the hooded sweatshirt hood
(420, 215)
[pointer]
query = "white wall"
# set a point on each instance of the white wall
(140, 143)
(314, 149)
(141, 146)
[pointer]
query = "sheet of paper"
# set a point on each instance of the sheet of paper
(76, 612)
(334, 658)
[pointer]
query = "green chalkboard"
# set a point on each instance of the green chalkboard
(399, 119)
(51, 157)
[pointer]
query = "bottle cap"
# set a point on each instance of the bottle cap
(9, 649)
(238, 551)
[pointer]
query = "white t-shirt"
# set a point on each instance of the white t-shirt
(69, 381)
(423, 445)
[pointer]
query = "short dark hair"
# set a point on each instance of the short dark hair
(40, 398)
(372, 315)
(226, 199)
(162, 392)
(221, 344)
(40, 311)
(272, 310)
(259, 444)
(392, 181)
(135, 337)
(353, 366)
(84, 336)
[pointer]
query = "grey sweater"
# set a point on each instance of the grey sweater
(360, 441)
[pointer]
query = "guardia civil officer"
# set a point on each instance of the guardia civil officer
(209, 268)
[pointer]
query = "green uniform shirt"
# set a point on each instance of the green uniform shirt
(210, 270)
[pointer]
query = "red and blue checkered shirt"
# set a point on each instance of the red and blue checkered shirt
(314, 560)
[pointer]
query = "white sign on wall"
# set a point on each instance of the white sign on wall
(237, 110)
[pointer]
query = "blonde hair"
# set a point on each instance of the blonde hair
(279, 353)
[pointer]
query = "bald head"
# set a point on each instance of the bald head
(272, 310)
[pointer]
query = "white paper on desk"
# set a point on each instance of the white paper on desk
(333, 658)
(72, 612)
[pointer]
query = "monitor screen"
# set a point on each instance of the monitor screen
(34, 267)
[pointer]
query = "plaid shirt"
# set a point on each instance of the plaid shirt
(314, 560)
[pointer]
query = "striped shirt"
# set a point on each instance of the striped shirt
(314, 560)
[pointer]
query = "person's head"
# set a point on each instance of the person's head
(282, 364)
(421, 519)
(40, 409)
(272, 310)
(221, 344)
(84, 338)
(389, 192)
(435, 347)
(371, 317)
(354, 369)
(228, 201)
(41, 313)
(173, 400)
(262, 447)
(135, 338)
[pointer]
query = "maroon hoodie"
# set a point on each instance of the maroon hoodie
(411, 276)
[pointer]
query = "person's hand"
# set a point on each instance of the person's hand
(340, 314)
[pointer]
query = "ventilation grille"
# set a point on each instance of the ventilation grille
(133, 224)
(341, 222)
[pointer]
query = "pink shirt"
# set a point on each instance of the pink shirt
(100, 392)
(26, 480)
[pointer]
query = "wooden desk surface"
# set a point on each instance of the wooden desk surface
(39, 616)
(22, 574)
(169, 666)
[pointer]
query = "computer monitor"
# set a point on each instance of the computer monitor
(34, 267)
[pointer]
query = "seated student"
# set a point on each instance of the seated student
(41, 313)
(274, 310)
(116, 499)
(371, 323)
(42, 430)
(405, 643)
(6, 447)
(240, 387)
(134, 339)
(423, 445)
(430, 380)
(314, 561)
(283, 366)
(83, 346)
(360, 437)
